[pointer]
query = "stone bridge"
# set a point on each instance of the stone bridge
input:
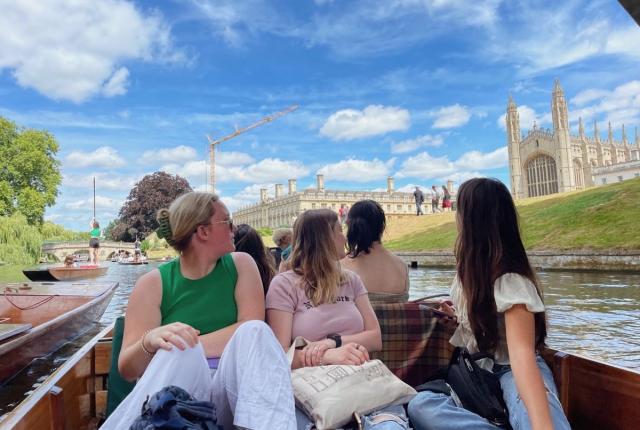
(107, 248)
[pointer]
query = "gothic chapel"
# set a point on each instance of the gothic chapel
(551, 161)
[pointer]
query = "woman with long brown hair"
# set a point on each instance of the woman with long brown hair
(248, 240)
(318, 300)
(498, 303)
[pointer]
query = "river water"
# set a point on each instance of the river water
(596, 314)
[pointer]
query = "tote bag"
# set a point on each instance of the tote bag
(330, 395)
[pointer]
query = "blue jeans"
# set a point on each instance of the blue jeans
(432, 411)
(374, 421)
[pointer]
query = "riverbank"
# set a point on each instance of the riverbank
(601, 221)
(615, 261)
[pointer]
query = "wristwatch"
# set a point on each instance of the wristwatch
(336, 338)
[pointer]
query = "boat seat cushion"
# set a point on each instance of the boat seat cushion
(414, 342)
(118, 387)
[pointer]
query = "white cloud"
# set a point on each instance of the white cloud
(620, 105)
(480, 160)
(117, 84)
(424, 165)
(117, 182)
(416, 143)
(195, 171)
(233, 158)
(266, 170)
(101, 202)
(74, 50)
(349, 124)
(573, 31)
(527, 117)
(178, 154)
(357, 170)
(105, 156)
(451, 116)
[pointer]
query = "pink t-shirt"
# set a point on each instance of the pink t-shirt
(286, 293)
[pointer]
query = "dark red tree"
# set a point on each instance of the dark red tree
(138, 213)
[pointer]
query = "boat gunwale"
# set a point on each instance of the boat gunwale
(19, 340)
(14, 417)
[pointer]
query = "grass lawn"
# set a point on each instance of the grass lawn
(600, 218)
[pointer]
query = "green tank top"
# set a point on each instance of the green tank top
(207, 304)
(95, 232)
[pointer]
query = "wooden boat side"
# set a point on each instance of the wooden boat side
(48, 335)
(72, 273)
(595, 394)
(73, 396)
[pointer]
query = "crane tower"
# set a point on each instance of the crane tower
(214, 143)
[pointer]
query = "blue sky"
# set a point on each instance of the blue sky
(415, 89)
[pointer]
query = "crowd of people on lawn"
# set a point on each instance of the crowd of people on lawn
(218, 320)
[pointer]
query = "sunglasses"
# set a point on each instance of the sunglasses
(226, 221)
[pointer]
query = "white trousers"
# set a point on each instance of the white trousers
(251, 387)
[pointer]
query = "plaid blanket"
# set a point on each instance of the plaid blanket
(414, 343)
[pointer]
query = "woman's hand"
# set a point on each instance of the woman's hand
(447, 314)
(164, 337)
(314, 351)
(351, 353)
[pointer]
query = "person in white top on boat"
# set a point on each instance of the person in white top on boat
(499, 308)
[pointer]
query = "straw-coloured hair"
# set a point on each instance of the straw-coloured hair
(315, 256)
(186, 213)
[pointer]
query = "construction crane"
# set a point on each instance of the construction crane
(213, 143)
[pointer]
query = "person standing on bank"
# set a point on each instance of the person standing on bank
(435, 200)
(197, 323)
(499, 307)
(94, 241)
(446, 199)
(419, 198)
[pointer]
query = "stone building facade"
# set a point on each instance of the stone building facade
(282, 209)
(550, 161)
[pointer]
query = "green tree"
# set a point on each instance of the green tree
(30, 173)
(138, 214)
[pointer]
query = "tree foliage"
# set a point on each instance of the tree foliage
(30, 173)
(138, 214)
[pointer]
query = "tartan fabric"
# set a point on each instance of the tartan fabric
(414, 343)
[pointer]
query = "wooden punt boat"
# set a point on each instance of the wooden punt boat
(594, 395)
(133, 263)
(61, 273)
(38, 318)
(80, 272)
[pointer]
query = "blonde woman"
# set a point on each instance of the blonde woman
(196, 322)
(326, 305)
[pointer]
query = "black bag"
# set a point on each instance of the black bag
(172, 408)
(478, 390)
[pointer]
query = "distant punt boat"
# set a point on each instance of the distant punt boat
(62, 273)
(133, 263)
(38, 318)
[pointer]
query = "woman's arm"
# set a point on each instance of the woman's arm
(520, 329)
(371, 337)
(281, 322)
(143, 316)
(249, 297)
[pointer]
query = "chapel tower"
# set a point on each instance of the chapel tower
(560, 116)
(513, 144)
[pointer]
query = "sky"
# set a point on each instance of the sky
(414, 89)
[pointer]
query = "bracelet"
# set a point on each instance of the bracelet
(145, 350)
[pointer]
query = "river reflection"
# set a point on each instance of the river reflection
(595, 314)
